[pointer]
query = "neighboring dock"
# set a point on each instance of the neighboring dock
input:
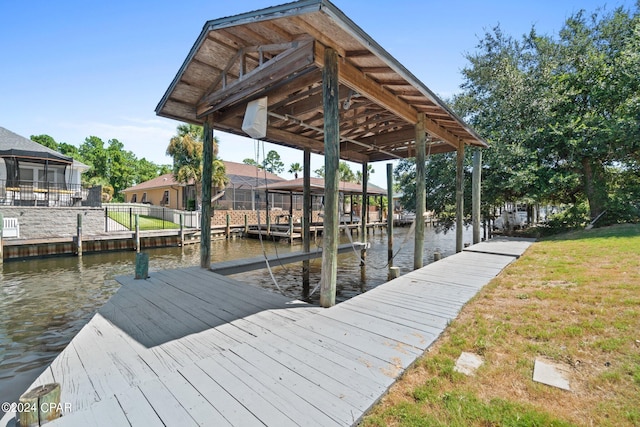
(191, 347)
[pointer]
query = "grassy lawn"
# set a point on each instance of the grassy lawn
(146, 222)
(573, 298)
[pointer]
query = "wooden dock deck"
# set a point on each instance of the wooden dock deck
(191, 347)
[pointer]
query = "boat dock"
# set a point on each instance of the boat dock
(191, 347)
(293, 232)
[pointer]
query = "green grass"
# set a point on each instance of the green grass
(145, 222)
(572, 298)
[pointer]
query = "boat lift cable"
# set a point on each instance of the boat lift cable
(264, 253)
(402, 244)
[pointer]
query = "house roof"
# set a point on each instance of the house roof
(278, 53)
(14, 145)
(317, 187)
(239, 174)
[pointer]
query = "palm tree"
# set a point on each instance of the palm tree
(295, 168)
(186, 149)
(359, 174)
(219, 176)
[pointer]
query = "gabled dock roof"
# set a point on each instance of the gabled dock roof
(278, 52)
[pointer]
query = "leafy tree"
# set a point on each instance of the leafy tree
(252, 162)
(595, 109)
(358, 175)
(94, 153)
(344, 172)
(71, 151)
(295, 169)
(561, 115)
(45, 140)
(440, 179)
(111, 166)
(145, 170)
(272, 162)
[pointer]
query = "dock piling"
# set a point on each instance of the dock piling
(181, 242)
(142, 265)
(1, 226)
(40, 405)
(137, 234)
(79, 235)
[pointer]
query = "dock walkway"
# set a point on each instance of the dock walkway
(189, 347)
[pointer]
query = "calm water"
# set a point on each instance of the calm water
(45, 302)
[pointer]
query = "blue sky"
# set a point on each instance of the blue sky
(76, 68)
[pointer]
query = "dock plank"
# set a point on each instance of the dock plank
(230, 408)
(106, 413)
(201, 410)
(192, 347)
(246, 394)
(281, 396)
(331, 405)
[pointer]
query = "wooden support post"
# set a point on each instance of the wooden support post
(331, 101)
(1, 244)
(476, 194)
(40, 405)
(227, 230)
(142, 265)
(207, 171)
(290, 203)
(350, 208)
(290, 229)
(181, 243)
(394, 272)
(364, 210)
(268, 223)
(79, 235)
(136, 237)
(390, 216)
(246, 224)
(421, 158)
(306, 219)
(459, 196)
(437, 256)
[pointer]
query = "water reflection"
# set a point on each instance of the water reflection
(45, 302)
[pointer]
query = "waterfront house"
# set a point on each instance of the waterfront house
(239, 192)
(34, 175)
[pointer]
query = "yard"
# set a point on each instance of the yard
(573, 298)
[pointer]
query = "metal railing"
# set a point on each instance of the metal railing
(47, 194)
(121, 217)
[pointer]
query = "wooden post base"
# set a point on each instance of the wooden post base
(40, 405)
(142, 265)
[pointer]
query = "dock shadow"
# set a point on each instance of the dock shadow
(174, 304)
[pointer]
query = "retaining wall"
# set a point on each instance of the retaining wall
(41, 223)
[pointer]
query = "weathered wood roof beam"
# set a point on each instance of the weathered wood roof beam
(277, 71)
(317, 34)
